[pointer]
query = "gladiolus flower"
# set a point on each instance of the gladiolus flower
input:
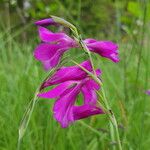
(70, 82)
(51, 50)
(106, 49)
(68, 73)
(55, 44)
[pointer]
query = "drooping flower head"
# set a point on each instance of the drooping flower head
(71, 81)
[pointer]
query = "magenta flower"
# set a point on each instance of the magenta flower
(148, 92)
(55, 44)
(68, 73)
(106, 49)
(51, 50)
(71, 81)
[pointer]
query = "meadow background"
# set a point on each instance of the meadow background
(123, 21)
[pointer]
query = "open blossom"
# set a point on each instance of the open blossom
(71, 81)
(148, 92)
(68, 73)
(55, 44)
(106, 49)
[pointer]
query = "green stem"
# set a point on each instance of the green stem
(89, 53)
(117, 131)
(111, 127)
(27, 115)
(112, 121)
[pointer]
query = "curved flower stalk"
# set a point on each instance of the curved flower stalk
(55, 44)
(70, 82)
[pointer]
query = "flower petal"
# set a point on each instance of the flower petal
(106, 49)
(62, 109)
(45, 22)
(45, 51)
(57, 91)
(49, 54)
(90, 96)
(69, 73)
(84, 111)
(89, 92)
(48, 36)
(88, 41)
(53, 61)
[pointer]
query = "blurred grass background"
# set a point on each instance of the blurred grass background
(125, 22)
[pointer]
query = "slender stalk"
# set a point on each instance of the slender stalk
(111, 127)
(117, 131)
(112, 122)
(85, 48)
(27, 115)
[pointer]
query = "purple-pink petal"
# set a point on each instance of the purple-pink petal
(106, 49)
(49, 54)
(89, 95)
(48, 36)
(45, 22)
(88, 90)
(84, 111)
(57, 91)
(53, 61)
(62, 109)
(69, 73)
(45, 51)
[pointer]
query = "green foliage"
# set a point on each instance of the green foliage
(136, 9)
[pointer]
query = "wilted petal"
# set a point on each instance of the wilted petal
(80, 112)
(106, 49)
(69, 73)
(62, 109)
(57, 91)
(46, 22)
